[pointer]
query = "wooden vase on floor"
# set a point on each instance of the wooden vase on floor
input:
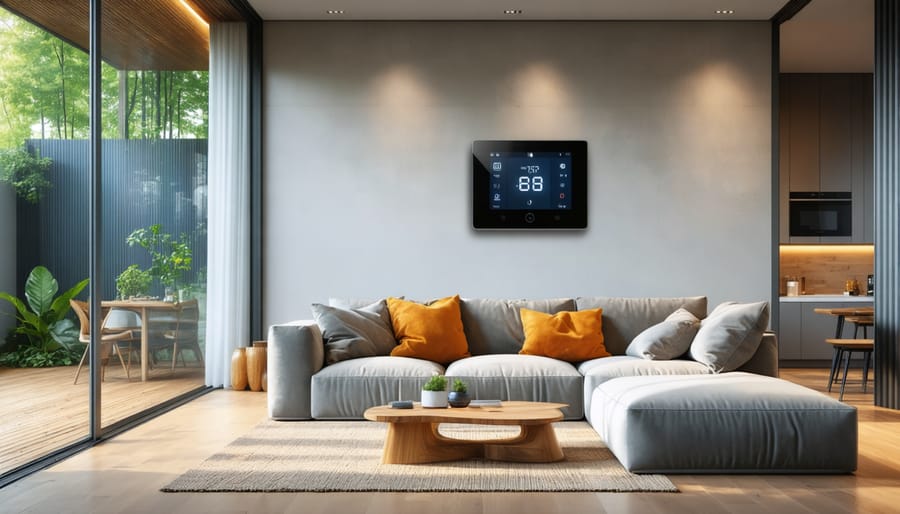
(239, 369)
(256, 366)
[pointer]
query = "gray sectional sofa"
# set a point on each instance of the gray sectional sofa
(656, 413)
(301, 386)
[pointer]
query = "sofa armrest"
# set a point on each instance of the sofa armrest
(295, 353)
(765, 360)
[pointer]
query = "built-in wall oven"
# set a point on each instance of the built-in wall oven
(825, 214)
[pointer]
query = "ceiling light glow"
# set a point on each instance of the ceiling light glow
(512, 11)
(724, 11)
(190, 8)
(335, 11)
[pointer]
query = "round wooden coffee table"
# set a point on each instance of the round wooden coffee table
(413, 436)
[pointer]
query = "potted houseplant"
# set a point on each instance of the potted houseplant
(133, 282)
(434, 392)
(169, 257)
(459, 394)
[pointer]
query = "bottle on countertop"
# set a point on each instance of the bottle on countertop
(870, 285)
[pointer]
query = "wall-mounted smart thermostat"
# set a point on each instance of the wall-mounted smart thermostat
(529, 184)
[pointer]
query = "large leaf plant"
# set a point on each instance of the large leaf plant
(45, 336)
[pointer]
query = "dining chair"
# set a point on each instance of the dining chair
(185, 336)
(121, 320)
(109, 340)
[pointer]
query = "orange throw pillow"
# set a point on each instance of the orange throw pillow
(571, 336)
(432, 332)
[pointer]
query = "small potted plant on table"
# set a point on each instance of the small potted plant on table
(434, 392)
(459, 394)
(133, 282)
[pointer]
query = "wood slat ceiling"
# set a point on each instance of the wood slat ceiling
(137, 34)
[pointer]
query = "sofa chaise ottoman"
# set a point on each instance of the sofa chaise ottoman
(732, 422)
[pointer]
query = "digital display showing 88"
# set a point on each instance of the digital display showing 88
(530, 180)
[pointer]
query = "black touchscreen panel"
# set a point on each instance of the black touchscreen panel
(529, 184)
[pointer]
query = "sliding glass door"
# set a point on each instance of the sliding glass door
(154, 203)
(104, 201)
(44, 213)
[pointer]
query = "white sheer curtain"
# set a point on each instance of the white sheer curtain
(228, 255)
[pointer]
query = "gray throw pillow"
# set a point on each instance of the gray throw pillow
(668, 339)
(353, 333)
(730, 335)
(494, 326)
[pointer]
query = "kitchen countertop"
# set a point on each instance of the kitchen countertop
(826, 298)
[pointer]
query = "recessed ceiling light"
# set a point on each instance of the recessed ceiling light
(724, 11)
(335, 11)
(513, 11)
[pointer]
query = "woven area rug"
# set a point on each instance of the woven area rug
(321, 456)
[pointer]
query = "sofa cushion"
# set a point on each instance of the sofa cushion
(732, 422)
(572, 336)
(521, 377)
(433, 332)
(730, 335)
(598, 371)
(495, 326)
(346, 389)
(353, 333)
(668, 339)
(625, 318)
(352, 303)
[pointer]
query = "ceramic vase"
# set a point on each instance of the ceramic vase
(434, 399)
(239, 369)
(256, 366)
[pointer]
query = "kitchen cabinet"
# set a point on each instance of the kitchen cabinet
(790, 334)
(826, 144)
(803, 149)
(802, 331)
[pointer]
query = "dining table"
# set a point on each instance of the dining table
(145, 308)
(843, 312)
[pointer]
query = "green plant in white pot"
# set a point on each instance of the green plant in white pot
(434, 393)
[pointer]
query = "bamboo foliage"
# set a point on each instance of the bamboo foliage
(44, 93)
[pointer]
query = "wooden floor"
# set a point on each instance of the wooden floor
(125, 474)
(43, 411)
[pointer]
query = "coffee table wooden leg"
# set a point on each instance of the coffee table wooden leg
(418, 443)
(536, 443)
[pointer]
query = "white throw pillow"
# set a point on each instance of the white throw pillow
(668, 339)
(730, 335)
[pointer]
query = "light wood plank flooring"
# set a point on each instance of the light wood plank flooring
(125, 474)
(43, 411)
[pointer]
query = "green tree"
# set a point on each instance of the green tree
(44, 93)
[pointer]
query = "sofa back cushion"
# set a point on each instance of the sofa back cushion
(625, 318)
(494, 326)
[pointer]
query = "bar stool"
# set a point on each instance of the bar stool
(848, 347)
(861, 321)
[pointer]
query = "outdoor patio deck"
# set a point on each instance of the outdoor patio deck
(43, 411)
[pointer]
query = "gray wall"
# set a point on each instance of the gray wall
(7, 256)
(367, 134)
